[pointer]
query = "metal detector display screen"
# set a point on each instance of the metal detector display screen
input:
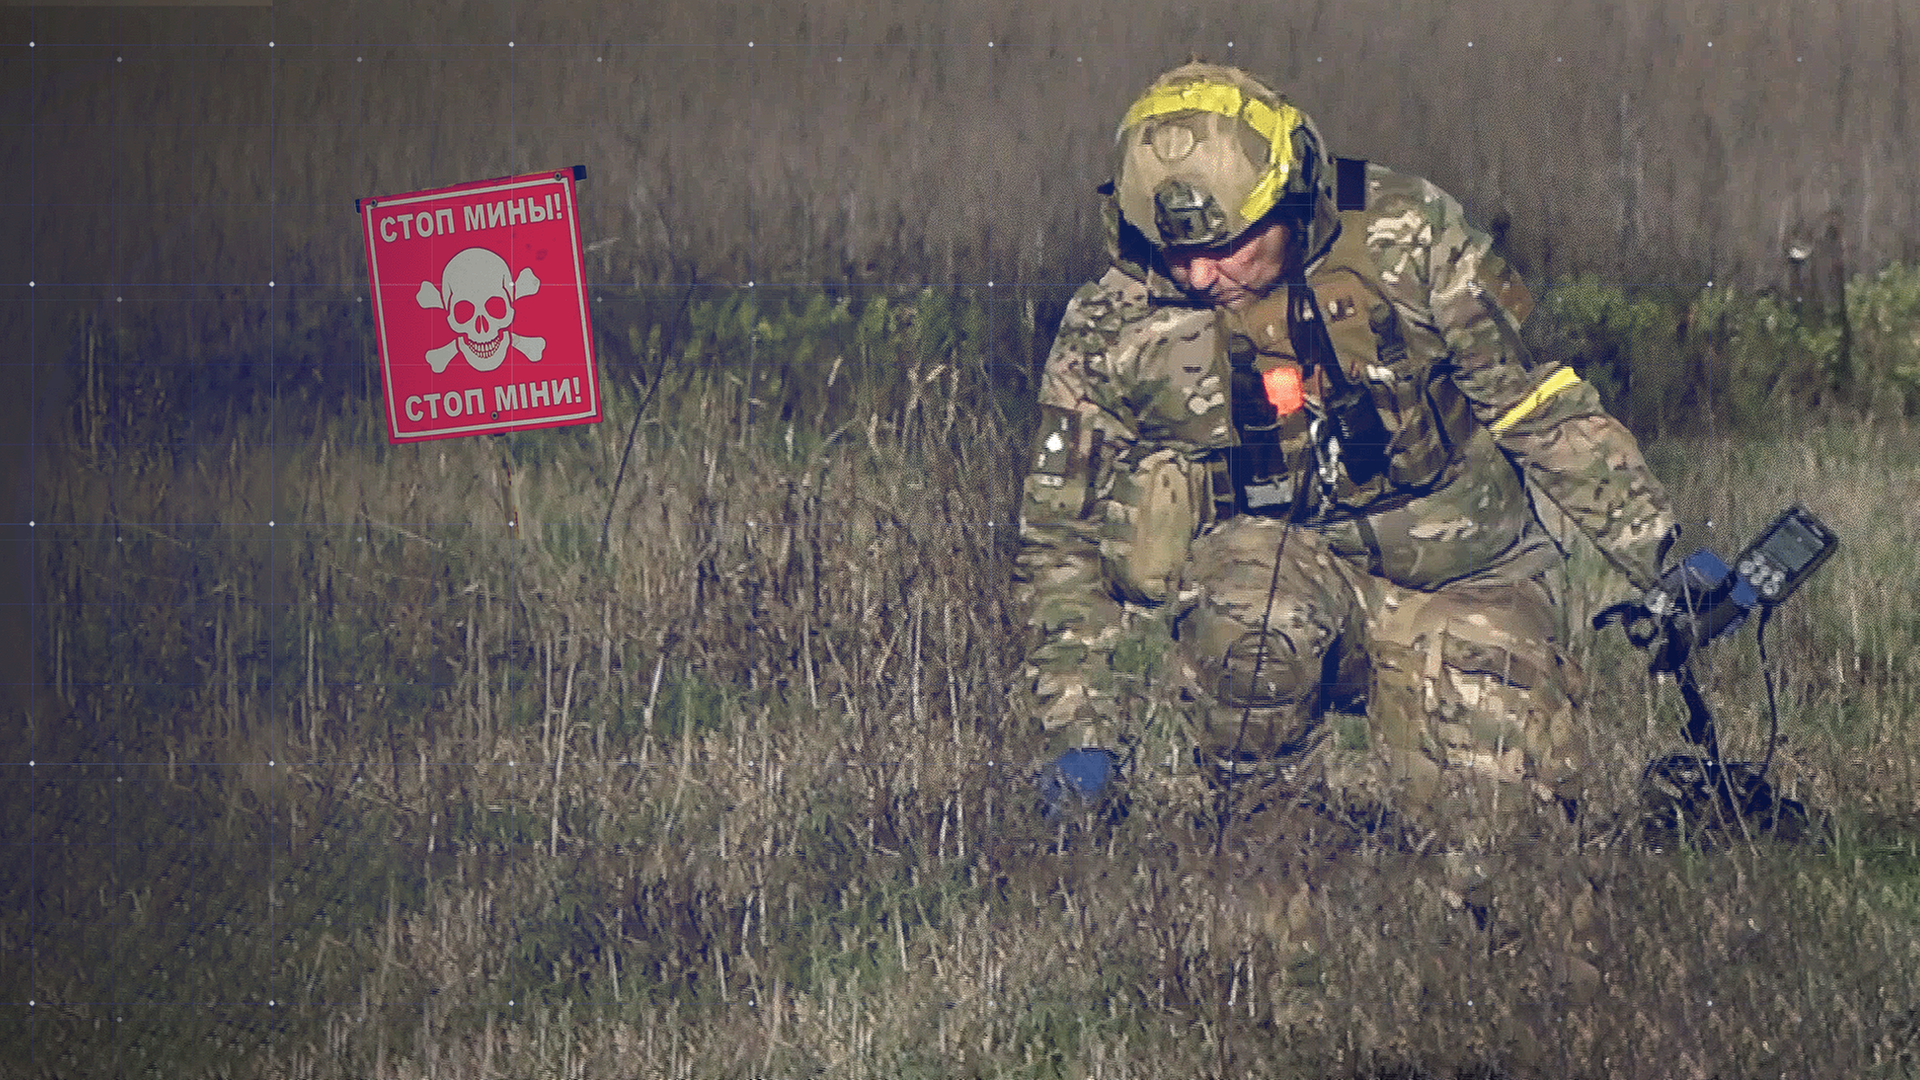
(1793, 545)
(1791, 548)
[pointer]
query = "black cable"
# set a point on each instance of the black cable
(1773, 735)
(1253, 682)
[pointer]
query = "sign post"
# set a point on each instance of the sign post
(480, 303)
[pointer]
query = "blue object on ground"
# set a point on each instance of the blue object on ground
(1081, 774)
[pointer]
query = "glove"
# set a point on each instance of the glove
(1696, 601)
(1083, 777)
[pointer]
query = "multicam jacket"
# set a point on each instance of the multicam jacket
(1147, 402)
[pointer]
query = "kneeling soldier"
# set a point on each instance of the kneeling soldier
(1292, 424)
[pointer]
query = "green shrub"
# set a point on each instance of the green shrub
(1886, 316)
(1688, 360)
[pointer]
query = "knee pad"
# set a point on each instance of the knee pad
(1264, 671)
(1266, 693)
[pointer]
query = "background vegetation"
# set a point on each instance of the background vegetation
(422, 778)
(1676, 140)
(681, 745)
(174, 164)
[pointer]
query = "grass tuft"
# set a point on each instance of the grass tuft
(739, 792)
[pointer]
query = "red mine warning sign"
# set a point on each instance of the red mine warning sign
(480, 300)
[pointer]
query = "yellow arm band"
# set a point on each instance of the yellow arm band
(1555, 383)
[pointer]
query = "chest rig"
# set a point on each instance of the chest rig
(1338, 410)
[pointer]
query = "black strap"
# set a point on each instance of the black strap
(1773, 736)
(1348, 404)
(1375, 565)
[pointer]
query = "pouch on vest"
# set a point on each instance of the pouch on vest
(1163, 500)
(1267, 465)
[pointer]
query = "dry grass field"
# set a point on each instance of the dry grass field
(686, 745)
(421, 779)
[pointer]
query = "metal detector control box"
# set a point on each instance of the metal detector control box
(1700, 599)
(1786, 554)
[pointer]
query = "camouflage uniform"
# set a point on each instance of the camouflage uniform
(1417, 582)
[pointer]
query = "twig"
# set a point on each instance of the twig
(666, 350)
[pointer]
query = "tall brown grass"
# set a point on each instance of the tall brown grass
(341, 774)
(1679, 140)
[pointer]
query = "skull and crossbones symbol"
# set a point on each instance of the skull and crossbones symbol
(478, 292)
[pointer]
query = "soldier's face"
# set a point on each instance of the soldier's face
(1235, 274)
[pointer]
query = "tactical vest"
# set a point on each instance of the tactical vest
(1411, 488)
(1379, 432)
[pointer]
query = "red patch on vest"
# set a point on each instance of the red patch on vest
(1283, 389)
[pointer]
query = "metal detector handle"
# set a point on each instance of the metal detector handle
(1644, 629)
(1673, 654)
(1700, 728)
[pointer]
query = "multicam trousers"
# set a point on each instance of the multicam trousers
(1469, 693)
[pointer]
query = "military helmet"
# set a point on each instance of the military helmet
(1208, 150)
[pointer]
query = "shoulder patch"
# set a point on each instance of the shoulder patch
(1066, 449)
(1056, 443)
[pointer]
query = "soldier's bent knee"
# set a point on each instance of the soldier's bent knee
(1265, 671)
(1504, 707)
